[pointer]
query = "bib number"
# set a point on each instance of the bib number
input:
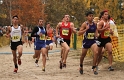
(42, 37)
(15, 38)
(90, 36)
(106, 33)
(29, 34)
(48, 38)
(65, 32)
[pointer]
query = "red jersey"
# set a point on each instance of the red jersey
(50, 34)
(105, 33)
(65, 31)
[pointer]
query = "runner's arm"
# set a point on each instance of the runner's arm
(57, 28)
(100, 27)
(83, 29)
(73, 28)
(35, 30)
(8, 30)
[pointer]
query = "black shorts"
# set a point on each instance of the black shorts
(14, 45)
(103, 41)
(67, 41)
(61, 40)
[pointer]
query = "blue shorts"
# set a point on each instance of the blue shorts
(87, 43)
(48, 42)
(39, 45)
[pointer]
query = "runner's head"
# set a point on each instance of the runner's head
(40, 22)
(89, 15)
(104, 15)
(66, 18)
(15, 19)
(48, 25)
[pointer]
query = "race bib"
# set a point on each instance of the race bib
(48, 38)
(29, 34)
(42, 37)
(65, 32)
(90, 36)
(15, 37)
(106, 33)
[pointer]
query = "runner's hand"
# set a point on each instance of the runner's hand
(87, 27)
(40, 34)
(58, 36)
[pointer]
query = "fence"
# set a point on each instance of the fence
(117, 45)
(4, 41)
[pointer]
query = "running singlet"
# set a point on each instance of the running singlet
(16, 34)
(90, 33)
(65, 31)
(105, 33)
(41, 38)
(50, 34)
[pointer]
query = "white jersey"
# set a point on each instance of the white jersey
(15, 34)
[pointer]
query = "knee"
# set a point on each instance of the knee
(96, 53)
(67, 49)
(110, 52)
(43, 55)
(20, 52)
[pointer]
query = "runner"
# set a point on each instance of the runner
(29, 37)
(26, 36)
(40, 45)
(65, 29)
(104, 37)
(49, 38)
(89, 29)
(15, 32)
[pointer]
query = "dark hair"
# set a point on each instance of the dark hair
(14, 16)
(102, 13)
(88, 13)
(40, 19)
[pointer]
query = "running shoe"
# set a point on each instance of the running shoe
(15, 70)
(36, 64)
(60, 64)
(64, 65)
(19, 61)
(47, 58)
(97, 68)
(43, 69)
(95, 71)
(81, 70)
(111, 69)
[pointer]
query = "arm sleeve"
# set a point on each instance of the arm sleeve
(35, 30)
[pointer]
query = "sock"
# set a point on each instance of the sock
(36, 61)
(16, 66)
(93, 67)
(81, 65)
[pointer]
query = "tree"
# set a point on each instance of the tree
(29, 11)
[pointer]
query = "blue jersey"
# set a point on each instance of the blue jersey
(90, 33)
(41, 38)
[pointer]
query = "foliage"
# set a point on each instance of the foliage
(53, 10)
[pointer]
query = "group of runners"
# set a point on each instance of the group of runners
(96, 37)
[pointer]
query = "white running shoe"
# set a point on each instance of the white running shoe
(47, 58)
(36, 64)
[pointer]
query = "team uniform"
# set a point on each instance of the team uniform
(65, 33)
(104, 37)
(89, 36)
(49, 40)
(16, 36)
(40, 42)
